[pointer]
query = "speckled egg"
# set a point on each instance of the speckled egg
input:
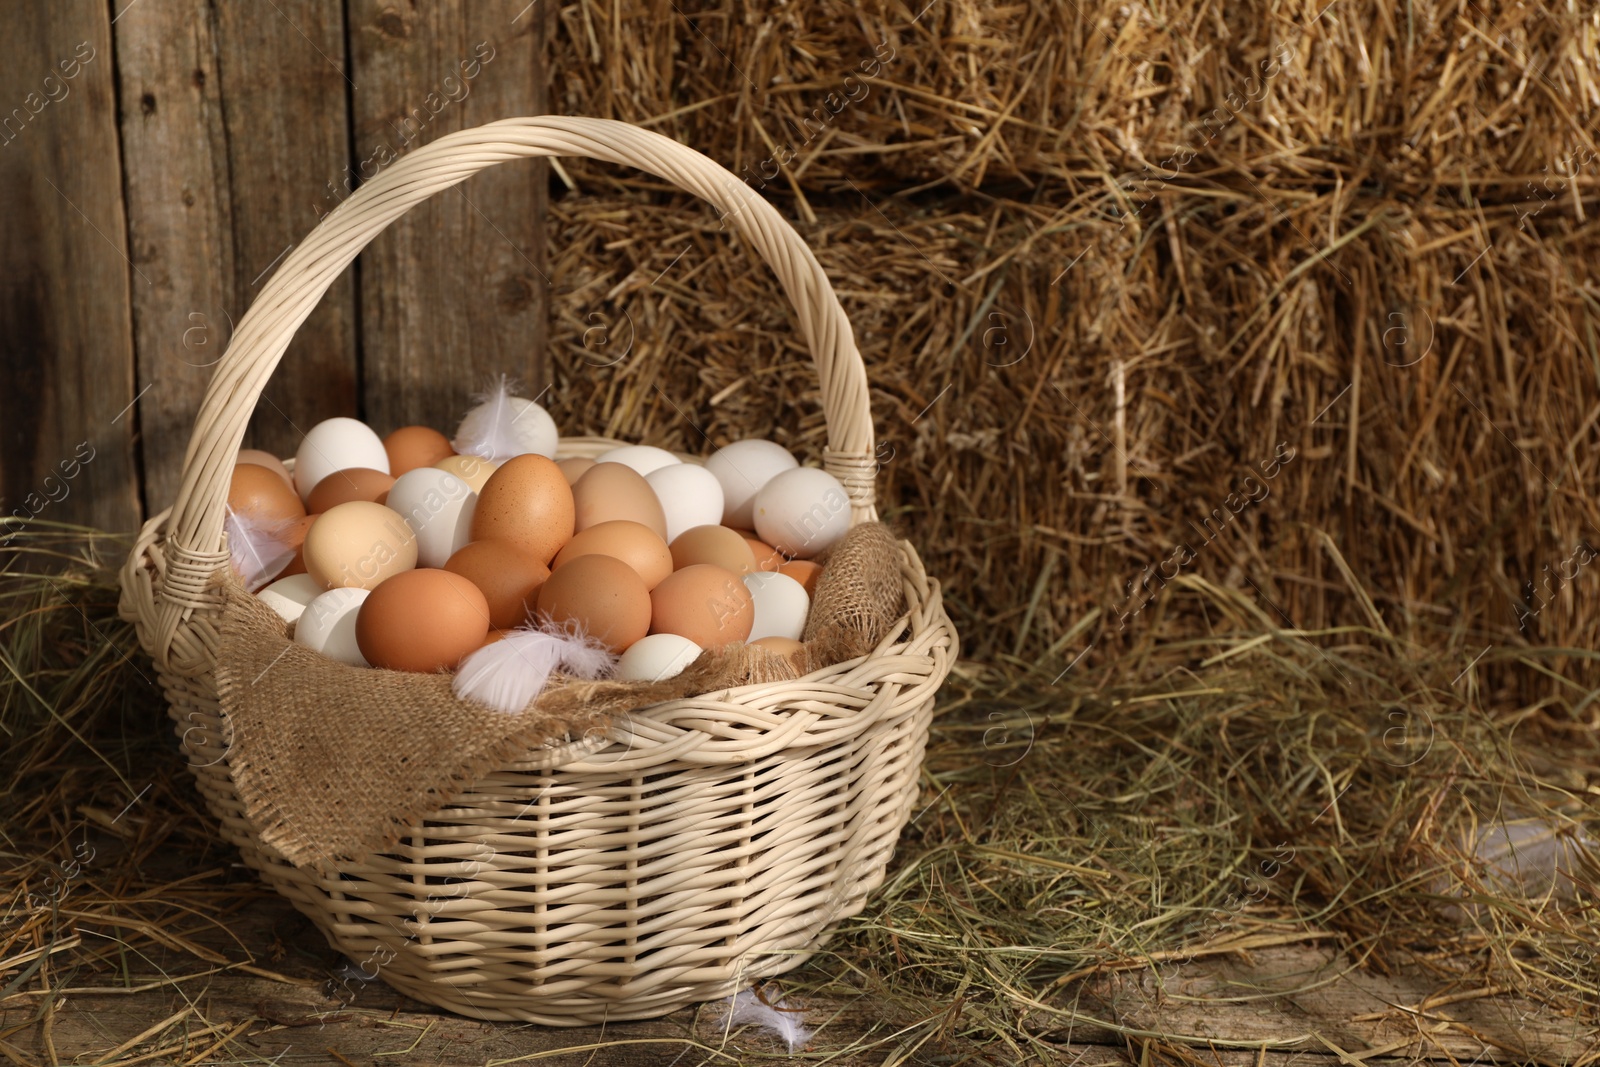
(526, 501)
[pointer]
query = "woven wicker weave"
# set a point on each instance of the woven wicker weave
(699, 845)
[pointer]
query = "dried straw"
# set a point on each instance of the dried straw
(1075, 360)
(1256, 785)
(1102, 263)
(1039, 95)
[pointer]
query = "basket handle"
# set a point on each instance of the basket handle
(194, 540)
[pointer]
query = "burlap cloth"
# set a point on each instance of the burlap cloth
(336, 762)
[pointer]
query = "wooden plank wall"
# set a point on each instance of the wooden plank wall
(198, 145)
(67, 364)
(456, 290)
(180, 221)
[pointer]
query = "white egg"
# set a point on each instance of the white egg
(504, 427)
(656, 658)
(690, 496)
(438, 506)
(781, 605)
(642, 458)
(742, 468)
(801, 512)
(289, 596)
(328, 625)
(336, 445)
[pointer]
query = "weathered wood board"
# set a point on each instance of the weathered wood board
(454, 292)
(180, 222)
(1306, 997)
(66, 366)
(273, 992)
(147, 197)
(286, 85)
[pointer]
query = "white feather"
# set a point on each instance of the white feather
(511, 673)
(502, 426)
(746, 1009)
(260, 551)
(1517, 856)
(1531, 856)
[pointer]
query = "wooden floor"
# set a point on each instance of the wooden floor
(264, 992)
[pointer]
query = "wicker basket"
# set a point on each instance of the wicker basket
(700, 844)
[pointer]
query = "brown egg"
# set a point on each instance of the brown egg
(575, 467)
(260, 495)
(494, 635)
(803, 571)
(295, 534)
(709, 605)
(470, 469)
(359, 544)
(267, 460)
(411, 447)
(602, 594)
(423, 620)
(631, 542)
(610, 491)
(355, 483)
(778, 646)
(526, 501)
(508, 575)
(767, 557)
(717, 545)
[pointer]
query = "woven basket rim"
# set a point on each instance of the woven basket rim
(162, 601)
(924, 594)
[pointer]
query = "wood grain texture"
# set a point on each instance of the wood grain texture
(175, 157)
(455, 292)
(285, 116)
(66, 373)
(269, 990)
(1308, 997)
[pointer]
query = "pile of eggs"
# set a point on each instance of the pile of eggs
(410, 555)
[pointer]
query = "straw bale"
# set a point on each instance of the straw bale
(966, 94)
(1068, 404)
(1105, 261)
